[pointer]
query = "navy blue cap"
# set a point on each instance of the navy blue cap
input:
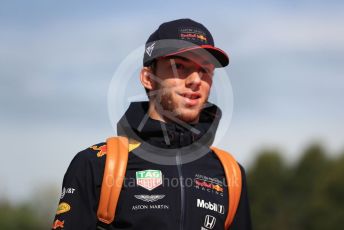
(179, 36)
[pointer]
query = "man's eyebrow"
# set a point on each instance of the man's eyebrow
(205, 62)
(179, 57)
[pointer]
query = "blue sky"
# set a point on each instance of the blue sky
(57, 59)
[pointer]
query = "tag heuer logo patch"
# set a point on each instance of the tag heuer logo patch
(149, 179)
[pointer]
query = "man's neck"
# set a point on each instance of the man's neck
(153, 113)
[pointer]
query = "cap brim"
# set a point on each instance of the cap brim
(221, 57)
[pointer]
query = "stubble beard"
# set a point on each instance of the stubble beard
(171, 110)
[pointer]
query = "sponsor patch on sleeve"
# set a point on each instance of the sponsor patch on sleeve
(62, 208)
(58, 224)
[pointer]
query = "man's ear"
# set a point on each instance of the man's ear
(146, 80)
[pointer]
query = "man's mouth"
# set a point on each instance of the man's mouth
(191, 95)
(191, 99)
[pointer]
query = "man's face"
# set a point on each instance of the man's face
(182, 86)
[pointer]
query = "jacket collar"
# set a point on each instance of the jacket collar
(136, 124)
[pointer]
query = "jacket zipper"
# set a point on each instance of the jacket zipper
(182, 192)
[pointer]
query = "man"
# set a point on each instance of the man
(173, 179)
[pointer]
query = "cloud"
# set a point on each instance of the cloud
(57, 60)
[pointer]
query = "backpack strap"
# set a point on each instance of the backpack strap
(234, 182)
(114, 173)
(115, 168)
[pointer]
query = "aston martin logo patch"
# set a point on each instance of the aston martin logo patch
(149, 198)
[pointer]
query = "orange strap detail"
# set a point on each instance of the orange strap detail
(234, 182)
(114, 173)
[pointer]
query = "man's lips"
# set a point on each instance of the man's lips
(191, 95)
(191, 99)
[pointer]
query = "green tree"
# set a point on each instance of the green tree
(268, 185)
(18, 217)
(308, 195)
(34, 214)
(328, 200)
(307, 175)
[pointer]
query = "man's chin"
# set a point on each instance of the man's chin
(189, 116)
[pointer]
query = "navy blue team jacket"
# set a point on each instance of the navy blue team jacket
(173, 180)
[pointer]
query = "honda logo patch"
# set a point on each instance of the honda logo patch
(209, 221)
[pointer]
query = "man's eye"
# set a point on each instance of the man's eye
(206, 71)
(179, 66)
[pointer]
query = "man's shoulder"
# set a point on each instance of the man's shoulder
(214, 155)
(86, 165)
(93, 153)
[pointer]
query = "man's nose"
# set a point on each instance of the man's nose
(194, 80)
